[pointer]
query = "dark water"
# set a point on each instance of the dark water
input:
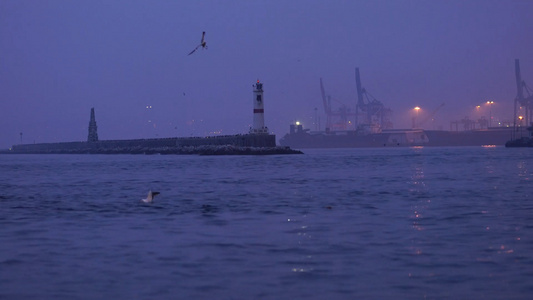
(409, 223)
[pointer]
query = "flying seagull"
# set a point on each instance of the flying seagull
(202, 44)
(150, 197)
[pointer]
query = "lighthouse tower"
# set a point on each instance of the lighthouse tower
(259, 111)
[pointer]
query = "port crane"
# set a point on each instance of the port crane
(370, 114)
(521, 100)
(342, 113)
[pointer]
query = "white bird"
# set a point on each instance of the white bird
(150, 197)
(202, 44)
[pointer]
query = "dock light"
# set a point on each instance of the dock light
(490, 112)
(415, 119)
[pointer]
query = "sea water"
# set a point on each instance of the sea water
(388, 223)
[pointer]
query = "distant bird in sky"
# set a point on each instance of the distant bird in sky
(202, 44)
(150, 197)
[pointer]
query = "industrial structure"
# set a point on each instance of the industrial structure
(373, 127)
(371, 115)
(335, 120)
(523, 105)
(523, 113)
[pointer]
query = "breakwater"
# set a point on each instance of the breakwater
(242, 144)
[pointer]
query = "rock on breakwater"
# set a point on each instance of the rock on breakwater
(175, 150)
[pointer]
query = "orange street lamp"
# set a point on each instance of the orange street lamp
(415, 119)
(490, 112)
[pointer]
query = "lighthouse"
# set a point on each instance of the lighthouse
(259, 111)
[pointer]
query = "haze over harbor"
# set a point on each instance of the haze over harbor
(128, 59)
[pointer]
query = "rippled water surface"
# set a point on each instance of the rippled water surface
(402, 223)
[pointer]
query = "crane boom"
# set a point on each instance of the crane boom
(360, 101)
(430, 115)
(519, 83)
(327, 109)
(521, 100)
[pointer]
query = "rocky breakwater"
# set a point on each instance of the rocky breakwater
(235, 150)
(200, 150)
(165, 150)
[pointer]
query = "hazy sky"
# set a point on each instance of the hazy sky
(60, 58)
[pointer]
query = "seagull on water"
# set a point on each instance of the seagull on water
(150, 197)
(202, 44)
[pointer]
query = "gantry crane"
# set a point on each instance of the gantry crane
(370, 112)
(525, 102)
(342, 113)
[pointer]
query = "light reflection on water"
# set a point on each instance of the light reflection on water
(523, 171)
(339, 223)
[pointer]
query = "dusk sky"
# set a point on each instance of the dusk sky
(58, 59)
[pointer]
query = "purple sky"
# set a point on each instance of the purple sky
(60, 58)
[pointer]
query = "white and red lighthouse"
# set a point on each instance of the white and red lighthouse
(259, 111)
